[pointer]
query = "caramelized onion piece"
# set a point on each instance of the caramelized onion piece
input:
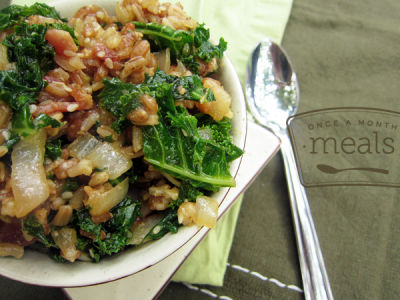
(28, 176)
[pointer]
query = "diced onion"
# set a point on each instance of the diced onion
(65, 239)
(82, 146)
(28, 176)
(219, 108)
(8, 249)
(110, 159)
(90, 121)
(101, 202)
(163, 59)
(63, 216)
(206, 211)
(77, 199)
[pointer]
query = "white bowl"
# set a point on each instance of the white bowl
(39, 269)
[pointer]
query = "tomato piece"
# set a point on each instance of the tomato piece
(61, 41)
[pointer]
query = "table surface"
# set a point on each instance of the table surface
(345, 53)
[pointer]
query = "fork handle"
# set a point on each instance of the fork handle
(315, 278)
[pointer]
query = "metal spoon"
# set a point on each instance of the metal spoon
(273, 96)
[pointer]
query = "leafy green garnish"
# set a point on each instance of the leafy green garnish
(175, 144)
(117, 229)
(53, 149)
(33, 56)
(124, 214)
(186, 193)
(109, 138)
(56, 255)
(169, 223)
(185, 87)
(187, 46)
(120, 98)
(117, 180)
(14, 138)
(205, 50)
(176, 147)
(34, 228)
(219, 133)
(24, 125)
(16, 14)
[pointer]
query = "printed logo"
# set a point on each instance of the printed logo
(347, 146)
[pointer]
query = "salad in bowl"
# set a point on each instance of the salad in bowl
(118, 126)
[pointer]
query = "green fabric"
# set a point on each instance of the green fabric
(207, 263)
(350, 57)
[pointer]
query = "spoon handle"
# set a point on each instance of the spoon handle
(315, 278)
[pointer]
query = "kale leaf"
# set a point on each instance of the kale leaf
(24, 125)
(178, 41)
(187, 46)
(85, 223)
(169, 223)
(33, 56)
(53, 149)
(117, 229)
(220, 133)
(176, 147)
(175, 144)
(16, 14)
(205, 49)
(186, 193)
(124, 214)
(32, 226)
(120, 98)
(185, 87)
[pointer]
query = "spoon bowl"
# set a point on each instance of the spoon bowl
(272, 97)
(271, 86)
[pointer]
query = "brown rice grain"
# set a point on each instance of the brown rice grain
(98, 178)
(84, 167)
(63, 216)
(137, 142)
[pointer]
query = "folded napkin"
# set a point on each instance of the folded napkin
(344, 56)
(242, 24)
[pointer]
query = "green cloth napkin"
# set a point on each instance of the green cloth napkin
(349, 56)
(242, 24)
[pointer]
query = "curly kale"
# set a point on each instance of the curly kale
(117, 229)
(186, 46)
(16, 14)
(120, 98)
